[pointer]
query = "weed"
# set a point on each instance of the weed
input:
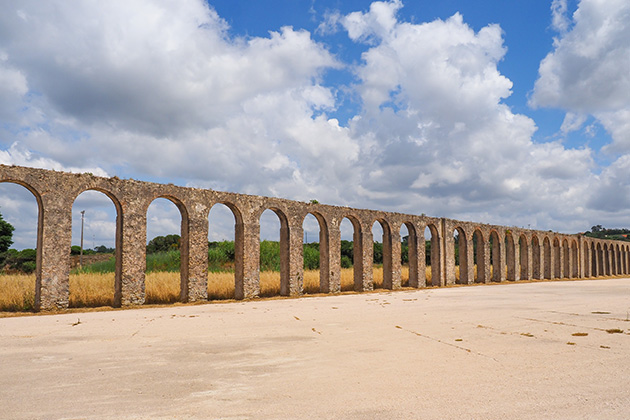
(614, 331)
(579, 334)
(527, 334)
(570, 343)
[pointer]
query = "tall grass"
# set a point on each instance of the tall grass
(94, 289)
(17, 292)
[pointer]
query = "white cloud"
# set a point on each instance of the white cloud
(587, 72)
(559, 20)
(435, 134)
(160, 89)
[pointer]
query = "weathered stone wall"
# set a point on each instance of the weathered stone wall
(487, 253)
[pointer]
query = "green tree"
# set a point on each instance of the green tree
(163, 244)
(6, 235)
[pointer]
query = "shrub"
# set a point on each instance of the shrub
(346, 262)
(311, 257)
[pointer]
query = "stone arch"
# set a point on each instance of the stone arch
(184, 246)
(379, 244)
(358, 253)
(601, 270)
(38, 240)
(324, 251)
(463, 263)
(537, 259)
(496, 256)
(524, 254)
(284, 244)
(391, 255)
(117, 291)
(624, 259)
(479, 244)
(548, 258)
(238, 246)
(416, 259)
(566, 259)
(557, 259)
(435, 257)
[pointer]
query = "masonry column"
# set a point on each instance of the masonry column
(247, 256)
(513, 258)
(529, 255)
(363, 258)
(296, 257)
(196, 288)
(470, 261)
(391, 257)
(585, 256)
(333, 284)
(52, 290)
(417, 264)
(131, 248)
(484, 276)
(499, 249)
(449, 252)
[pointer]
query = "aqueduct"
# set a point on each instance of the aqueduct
(501, 253)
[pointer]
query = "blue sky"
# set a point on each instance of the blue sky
(509, 112)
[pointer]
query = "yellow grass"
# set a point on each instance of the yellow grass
(17, 292)
(91, 290)
(162, 287)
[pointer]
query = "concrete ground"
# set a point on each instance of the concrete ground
(486, 352)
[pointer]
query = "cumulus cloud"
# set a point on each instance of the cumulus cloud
(160, 89)
(435, 133)
(587, 71)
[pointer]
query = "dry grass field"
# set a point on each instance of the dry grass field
(95, 290)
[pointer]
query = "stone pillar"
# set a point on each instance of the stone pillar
(196, 288)
(295, 255)
(483, 276)
(363, 258)
(568, 261)
(324, 256)
(498, 251)
(132, 243)
(437, 257)
(596, 260)
(559, 262)
(334, 253)
(52, 289)
(609, 260)
(391, 257)
(549, 261)
(469, 275)
(417, 264)
(526, 261)
(449, 252)
(512, 255)
(247, 258)
(583, 257)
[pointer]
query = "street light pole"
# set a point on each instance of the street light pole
(81, 252)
